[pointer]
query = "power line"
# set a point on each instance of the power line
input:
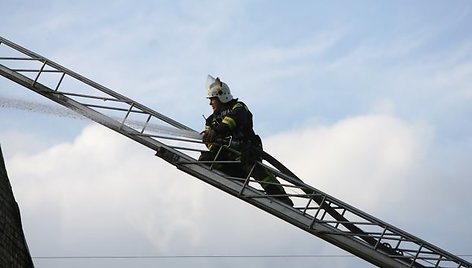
(198, 256)
(205, 256)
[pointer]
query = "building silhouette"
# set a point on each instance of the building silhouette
(14, 251)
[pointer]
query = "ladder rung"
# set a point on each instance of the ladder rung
(87, 96)
(112, 108)
(18, 58)
(35, 71)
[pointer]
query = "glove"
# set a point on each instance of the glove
(209, 136)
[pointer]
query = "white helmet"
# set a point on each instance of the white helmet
(218, 89)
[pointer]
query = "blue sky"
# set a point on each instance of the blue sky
(367, 100)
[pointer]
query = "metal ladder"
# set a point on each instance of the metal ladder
(314, 211)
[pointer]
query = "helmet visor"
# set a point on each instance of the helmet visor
(210, 80)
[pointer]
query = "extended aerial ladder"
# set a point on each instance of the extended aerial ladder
(314, 211)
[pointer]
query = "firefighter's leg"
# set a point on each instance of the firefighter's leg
(270, 184)
(208, 158)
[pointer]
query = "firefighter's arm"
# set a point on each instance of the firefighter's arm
(224, 129)
(231, 121)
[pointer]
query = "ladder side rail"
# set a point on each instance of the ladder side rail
(92, 97)
(87, 112)
(92, 83)
(370, 220)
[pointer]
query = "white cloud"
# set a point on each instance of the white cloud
(104, 195)
(387, 167)
(358, 159)
(101, 183)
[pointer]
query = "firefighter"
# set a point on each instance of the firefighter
(231, 119)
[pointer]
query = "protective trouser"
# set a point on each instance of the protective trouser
(266, 179)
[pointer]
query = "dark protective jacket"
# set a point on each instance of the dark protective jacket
(235, 121)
